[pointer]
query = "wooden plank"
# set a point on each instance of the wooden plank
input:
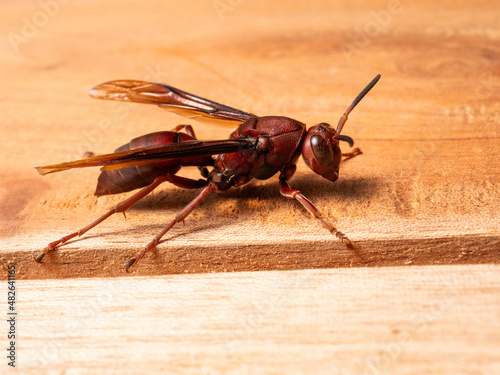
(425, 191)
(432, 320)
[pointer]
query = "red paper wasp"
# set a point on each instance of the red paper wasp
(259, 148)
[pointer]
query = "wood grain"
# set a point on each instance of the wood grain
(425, 191)
(424, 194)
(432, 320)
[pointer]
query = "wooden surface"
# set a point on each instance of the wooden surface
(293, 322)
(425, 191)
(424, 194)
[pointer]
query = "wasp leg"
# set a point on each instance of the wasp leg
(121, 207)
(349, 155)
(288, 192)
(190, 131)
(178, 218)
(187, 128)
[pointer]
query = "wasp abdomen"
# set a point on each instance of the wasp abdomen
(121, 180)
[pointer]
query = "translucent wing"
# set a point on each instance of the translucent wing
(171, 99)
(151, 154)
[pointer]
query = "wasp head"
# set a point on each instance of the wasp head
(321, 150)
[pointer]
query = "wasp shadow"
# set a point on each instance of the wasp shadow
(154, 228)
(354, 189)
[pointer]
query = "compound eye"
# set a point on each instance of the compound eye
(322, 150)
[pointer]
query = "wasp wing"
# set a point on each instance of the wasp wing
(171, 99)
(152, 154)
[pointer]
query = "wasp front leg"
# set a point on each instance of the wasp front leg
(288, 192)
(349, 155)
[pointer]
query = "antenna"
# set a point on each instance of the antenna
(361, 95)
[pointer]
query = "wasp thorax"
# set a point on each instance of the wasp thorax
(321, 151)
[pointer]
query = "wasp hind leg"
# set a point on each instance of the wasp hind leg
(178, 218)
(122, 207)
